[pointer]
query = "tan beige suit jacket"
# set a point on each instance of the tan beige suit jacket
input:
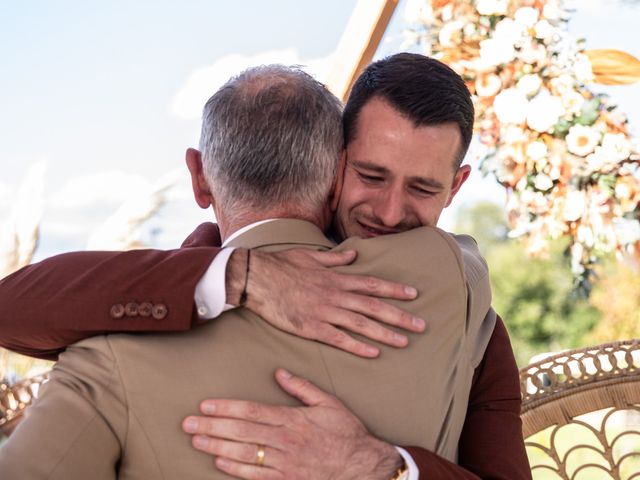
(114, 405)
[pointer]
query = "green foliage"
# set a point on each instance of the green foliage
(534, 296)
(486, 222)
(617, 296)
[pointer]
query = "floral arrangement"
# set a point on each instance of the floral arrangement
(562, 151)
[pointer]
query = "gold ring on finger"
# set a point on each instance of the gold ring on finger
(260, 456)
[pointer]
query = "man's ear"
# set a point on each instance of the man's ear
(336, 191)
(201, 190)
(458, 180)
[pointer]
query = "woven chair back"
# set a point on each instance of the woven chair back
(581, 413)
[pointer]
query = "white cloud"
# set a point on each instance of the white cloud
(98, 188)
(108, 205)
(203, 82)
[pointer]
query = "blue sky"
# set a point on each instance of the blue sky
(108, 93)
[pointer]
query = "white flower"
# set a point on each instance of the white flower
(596, 161)
(511, 134)
(582, 69)
(572, 102)
(447, 35)
(602, 158)
(542, 182)
(529, 84)
(509, 155)
(469, 29)
(527, 16)
(508, 31)
(581, 140)
(447, 12)
(555, 172)
(563, 83)
(494, 52)
(574, 206)
(544, 111)
(618, 144)
(532, 52)
(492, 7)
(488, 85)
(551, 11)
(585, 235)
(418, 11)
(510, 106)
(544, 30)
(537, 150)
(622, 190)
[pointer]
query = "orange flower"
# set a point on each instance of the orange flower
(440, 3)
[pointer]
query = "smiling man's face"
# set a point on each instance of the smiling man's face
(397, 177)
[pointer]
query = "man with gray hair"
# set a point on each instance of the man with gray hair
(270, 147)
(276, 149)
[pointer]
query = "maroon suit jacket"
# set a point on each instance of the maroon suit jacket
(46, 306)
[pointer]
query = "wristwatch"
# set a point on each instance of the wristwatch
(402, 473)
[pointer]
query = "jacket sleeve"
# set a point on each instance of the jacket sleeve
(49, 305)
(491, 444)
(77, 427)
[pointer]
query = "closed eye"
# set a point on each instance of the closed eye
(370, 178)
(422, 192)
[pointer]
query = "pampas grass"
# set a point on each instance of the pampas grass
(18, 242)
(20, 233)
(121, 231)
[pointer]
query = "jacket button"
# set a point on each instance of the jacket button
(131, 309)
(144, 309)
(117, 311)
(159, 311)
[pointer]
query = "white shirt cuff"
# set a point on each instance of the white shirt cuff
(414, 473)
(211, 293)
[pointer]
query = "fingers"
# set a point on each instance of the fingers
(374, 286)
(331, 259)
(232, 429)
(326, 333)
(249, 472)
(237, 451)
(376, 309)
(304, 390)
(244, 410)
(371, 329)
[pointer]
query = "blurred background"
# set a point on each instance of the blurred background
(99, 100)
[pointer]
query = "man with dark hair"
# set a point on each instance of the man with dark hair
(422, 89)
(402, 168)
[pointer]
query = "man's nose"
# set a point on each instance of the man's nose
(390, 208)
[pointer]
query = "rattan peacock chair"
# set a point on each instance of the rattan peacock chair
(581, 413)
(15, 399)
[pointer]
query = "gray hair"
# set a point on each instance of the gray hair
(271, 136)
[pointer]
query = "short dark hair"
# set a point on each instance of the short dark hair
(423, 89)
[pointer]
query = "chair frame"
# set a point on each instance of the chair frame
(563, 386)
(555, 390)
